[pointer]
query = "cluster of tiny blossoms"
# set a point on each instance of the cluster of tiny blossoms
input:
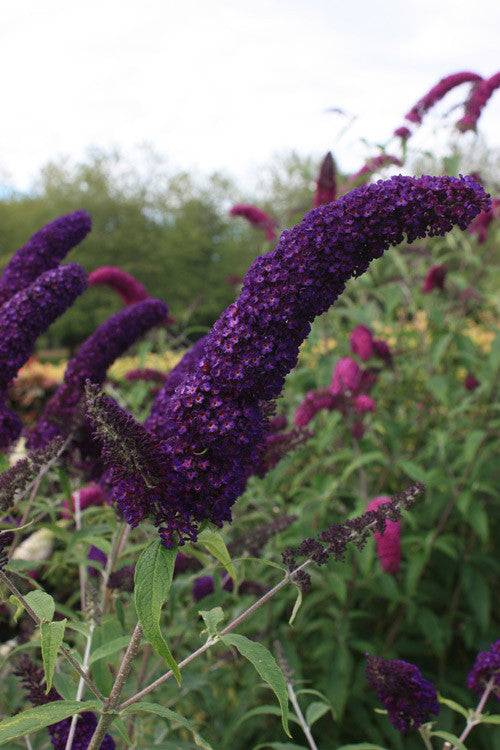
(213, 425)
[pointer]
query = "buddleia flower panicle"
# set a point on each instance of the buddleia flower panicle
(476, 101)
(486, 666)
(434, 279)
(407, 696)
(333, 541)
(205, 585)
(109, 341)
(29, 312)
(15, 480)
(403, 132)
(254, 541)
(32, 680)
(471, 382)
(438, 91)
(86, 497)
(365, 346)
(43, 251)
(214, 423)
(257, 218)
(389, 542)
(326, 185)
(10, 424)
(124, 284)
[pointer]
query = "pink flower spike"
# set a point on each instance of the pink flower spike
(437, 92)
(435, 278)
(403, 132)
(363, 175)
(388, 544)
(476, 101)
(361, 340)
(91, 495)
(126, 286)
(346, 376)
(313, 402)
(257, 218)
(326, 185)
(480, 224)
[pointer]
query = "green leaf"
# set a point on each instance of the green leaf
(212, 617)
(296, 606)
(52, 635)
(363, 460)
(454, 706)
(265, 664)
(153, 578)
(450, 737)
(121, 729)
(315, 711)
(109, 648)
(281, 746)
(167, 713)
(215, 544)
(490, 719)
(362, 746)
(42, 603)
(41, 716)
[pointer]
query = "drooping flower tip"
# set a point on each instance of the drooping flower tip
(124, 284)
(326, 185)
(478, 98)
(407, 696)
(437, 92)
(486, 666)
(434, 279)
(257, 218)
(389, 542)
(361, 340)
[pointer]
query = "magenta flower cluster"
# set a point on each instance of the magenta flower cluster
(326, 184)
(476, 102)
(257, 218)
(212, 424)
(126, 286)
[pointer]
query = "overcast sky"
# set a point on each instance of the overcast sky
(223, 84)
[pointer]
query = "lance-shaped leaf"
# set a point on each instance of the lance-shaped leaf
(52, 635)
(153, 578)
(41, 716)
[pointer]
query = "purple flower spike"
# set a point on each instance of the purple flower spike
(31, 311)
(215, 423)
(110, 340)
(486, 666)
(438, 91)
(257, 218)
(326, 186)
(43, 251)
(477, 100)
(128, 289)
(408, 698)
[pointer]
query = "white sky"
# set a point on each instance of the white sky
(223, 84)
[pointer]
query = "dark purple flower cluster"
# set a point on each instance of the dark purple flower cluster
(43, 251)
(326, 185)
(91, 362)
(32, 678)
(23, 317)
(407, 696)
(18, 477)
(126, 286)
(333, 541)
(213, 425)
(486, 666)
(477, 100)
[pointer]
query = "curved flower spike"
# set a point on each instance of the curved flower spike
(257, 218)
(43, 251)
(109, 341)
(477, 100)
(126, 286)
(438, 91)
